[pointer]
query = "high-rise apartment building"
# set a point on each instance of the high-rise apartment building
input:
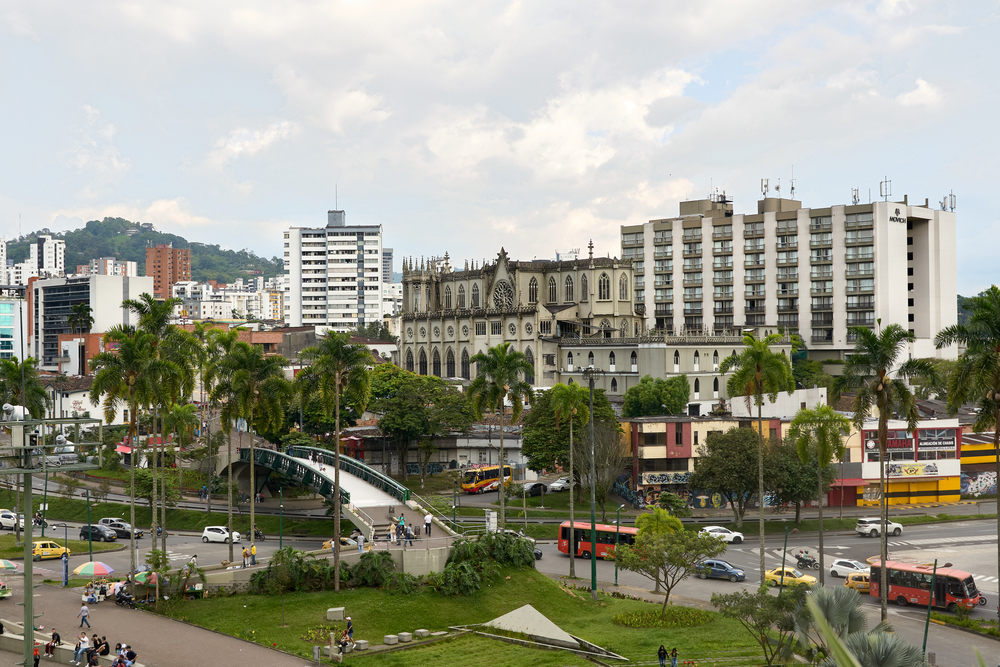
(387, 265)
(46, 259)
(109, 266)
(813, 271)
(166, 264)
(333, 274)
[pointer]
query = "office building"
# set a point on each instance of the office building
(166, 265)
(333, 274)
(387, 265)
(816, 271)
(109, 266)
(46, 259)
(13, 328)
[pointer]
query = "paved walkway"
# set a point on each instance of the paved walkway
(159, 641)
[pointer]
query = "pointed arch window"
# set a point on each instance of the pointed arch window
(623, 288)
(427, 303)
(465, 365)
(603, 287)
(590, 359)
(533, 291)
(447, 297)
(697, 361)
(416, 300)
(436, 363)
(611, 359)
(409, 360)
(530, 357)
(606, 328)
(569, 289)
(553, 294)
(677, 361)
(634, 361)
(584, 292)
(569, 358)
(715, 360)
(624, 329)
(697, 387)
(475, 296)
(614, 386)
(461, 296)
(715, 388)
(422, 363)
(450, 364)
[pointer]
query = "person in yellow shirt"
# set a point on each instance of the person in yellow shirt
(253, 553)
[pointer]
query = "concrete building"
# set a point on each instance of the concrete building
(812, 271)
(70, 397)
(13, 328)
(387, 265)
(109, 266)
(51, 304)
(46, 259)
(254, 299)
(167, 265)
(333, 274)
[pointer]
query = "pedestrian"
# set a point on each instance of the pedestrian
(83, 615)
(673, 657)
(36, 653)
(399, 534)
(245, 556)
(350, 630)
(662, 655)
(409, 535)
(50, 648)
(427, 523)
(253, 553)
(361, 543)
(81, 648)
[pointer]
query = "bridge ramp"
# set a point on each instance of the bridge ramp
(362, 493)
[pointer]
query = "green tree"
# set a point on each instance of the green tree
(501, 375)
(658, 522)
(810, 373)
(340, 369)
(976, 376)
(759, 371)
(141, 484)
(842, 610)
(769, 619)
(182, 420)
(667, 558)
(674, 504)
(222, 346)
(819, 434)
(726, 465)
(80, 319)
(20, 384)
(546, 443)
(925, 387)
(874, 373)
(568, 404)
(792, 480)
(657, 397)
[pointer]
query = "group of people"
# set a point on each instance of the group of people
(663, 655)
(250, 555)
(316, 459)
(96, 591)
(203, 493)
(400, 532)
(90, 649)
(347, 636)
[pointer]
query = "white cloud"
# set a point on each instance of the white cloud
(94, 153)
(924, 95)
(243, 141)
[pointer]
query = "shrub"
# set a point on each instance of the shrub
(456, 579)
(402, 583)
(675, 617)
(373, 569)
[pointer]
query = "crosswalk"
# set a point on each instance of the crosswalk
(942, 540)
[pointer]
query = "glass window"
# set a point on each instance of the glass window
(7, 320)
(6, 308)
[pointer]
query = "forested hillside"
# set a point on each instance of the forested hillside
(107, 238)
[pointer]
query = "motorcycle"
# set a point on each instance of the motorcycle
(258, 534)
(125, 600)
(806, 562)
(35, 521)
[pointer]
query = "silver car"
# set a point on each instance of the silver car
(561, 484)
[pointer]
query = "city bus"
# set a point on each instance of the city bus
(486, 478)
(910, 583)
(605, 538)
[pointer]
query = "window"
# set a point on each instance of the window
(553, 294)
(465, 364)
(545, 327)
(583, 288)
(503, 295)
(447, 298)
(530, 357)
(480, 328)
(614, 386)
(475, 296)
(604, 287)
(436, 364)
(423, 363)
(416, 300)
(623, 288)
(461, 296)
(677, 360)
(590, 359)
(569, 358)
(634, 360)
(569, 289)
(611, 359)
(496, 328)
(450, 364)
(409, 360)
(533, 291)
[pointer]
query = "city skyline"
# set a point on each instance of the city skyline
(538, 127)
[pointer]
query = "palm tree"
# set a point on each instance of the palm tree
(500, 375)
(256, 390)
(977, 376)
(570, 401)
(759, 372)
(339, 367)
(224, 343)
(80, 318)
(880, 385)
(820, 432)
(21, 385)
(181, 420)
(126, 374)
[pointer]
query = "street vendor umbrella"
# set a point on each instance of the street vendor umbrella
(123, 449)
(7, 565)
(142, 577)
(94, 569)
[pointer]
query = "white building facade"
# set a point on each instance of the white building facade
(46, 259)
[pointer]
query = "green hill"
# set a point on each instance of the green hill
(108, 238)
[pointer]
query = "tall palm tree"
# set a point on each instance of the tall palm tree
(500, 375)
(759, 371)
(125, 374)
(977, 376)
(181, 420)
(21, 385)
(256, 390)
(819, 433)
(570, 401)
(80, 318)
(339, 368)
(880, 384)
(223, 346)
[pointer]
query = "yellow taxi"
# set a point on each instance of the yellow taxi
(791, 577)
(47, 549)
(347, 544)
(859, 581)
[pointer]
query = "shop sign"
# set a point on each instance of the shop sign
(898, 216)
(911, 469)
(939, 439)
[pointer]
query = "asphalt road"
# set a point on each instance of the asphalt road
(968, 545)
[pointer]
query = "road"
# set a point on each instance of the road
(968, 545)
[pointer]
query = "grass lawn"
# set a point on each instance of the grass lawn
(8, 550)
(434, 483)
(377, 613)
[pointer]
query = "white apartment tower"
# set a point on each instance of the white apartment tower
(333, 274)
(816, 271)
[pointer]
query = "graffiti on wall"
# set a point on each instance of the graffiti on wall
(665, 477)
(979, 483)
(432, 468)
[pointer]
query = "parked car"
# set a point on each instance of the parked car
(121, 528)
(97, 533)
(347, 544)
(842, 567)
(535, 488)
(791, 576)
(859, 581)
(48, 549)
(724, 534)
(7, 519)
(218, 534)
(720, 569)
(561, 484)
(871, 527)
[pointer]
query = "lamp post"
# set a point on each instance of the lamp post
(281, 513)
(618, 524)
(90, 534)
(65, 560)
(590, 373)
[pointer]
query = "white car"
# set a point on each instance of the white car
(7, 519)
(724, 534)
(871, 527)
(842, 567)
(218, 534)
(561, 484)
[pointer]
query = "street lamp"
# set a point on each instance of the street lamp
(281, 512)
(90, 534)
(590, 373)
(618, 524)
(65, 561)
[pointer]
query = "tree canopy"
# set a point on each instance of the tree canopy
(657, 397)
(545, 440)
(727, 465)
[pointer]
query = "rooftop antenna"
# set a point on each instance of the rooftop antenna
(764, 187)
(777, 188)
(855, 196)
(885, 188)
(952, 201)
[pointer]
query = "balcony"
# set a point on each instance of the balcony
(753, 232)
(692, 235)
(723, 310)
(663, 281)
(725, 250)
(788, 292)
(754, 294)
(692, 253)
(722, 281)
(788, 309)
(692, 311)
(787, 261)
(663, 253)
(663, 299)
(823, 338)
(861, 240)
(753, 247)
(790, 245)
(722, 265)
(861, 321)
(722, 235)
(631, 242)
(861, 290)
(753, 279)
(859, 257)
(666, 310)
(822, 290)
(866, 304)
(689, 282)
(750, 263)
(755, 309)
(820, 226)
(860, 272)
(828, 243)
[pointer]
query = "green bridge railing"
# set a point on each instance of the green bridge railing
(356, 468)
(289, 465)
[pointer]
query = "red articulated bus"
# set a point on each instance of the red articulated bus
(605, 538)
(910, 583)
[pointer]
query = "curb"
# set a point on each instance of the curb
(967, 630)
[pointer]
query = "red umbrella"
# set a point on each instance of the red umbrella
(124, 449)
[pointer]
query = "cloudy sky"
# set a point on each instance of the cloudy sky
(464, 126)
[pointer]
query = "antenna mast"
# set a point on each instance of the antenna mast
(885, 188)
(764, 187)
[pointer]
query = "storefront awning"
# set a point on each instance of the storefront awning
(852, 481)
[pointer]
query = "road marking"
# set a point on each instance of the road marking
(173, 555)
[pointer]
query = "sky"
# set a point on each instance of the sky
(463, 127)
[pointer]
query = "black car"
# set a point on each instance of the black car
(535, 488)
(121, 529)
(97, 533)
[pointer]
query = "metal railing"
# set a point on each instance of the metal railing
(289, 465)
(358, 469)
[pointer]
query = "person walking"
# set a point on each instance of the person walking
(662, 655)
(253, 553)
(84, 615)
(427, 523)
(673, 657)
(409, 536)
(350, 630)
(361, 543)
(244, 554)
